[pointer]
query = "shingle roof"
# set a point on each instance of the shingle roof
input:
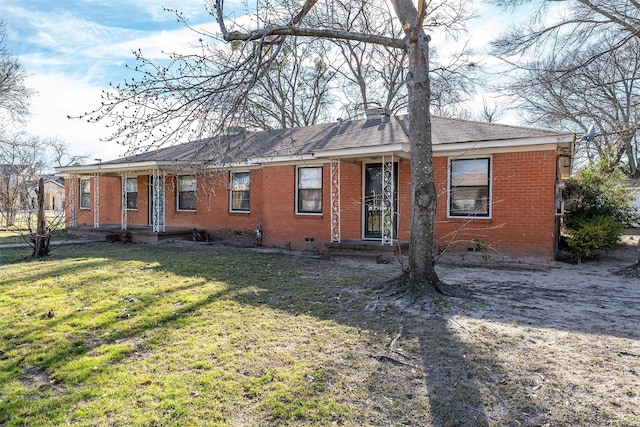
(332, 136)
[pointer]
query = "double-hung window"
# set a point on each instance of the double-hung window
(85, 193)
(469, 187)
(187, 187)
(239, 192)
(309, 190)
(131, 188)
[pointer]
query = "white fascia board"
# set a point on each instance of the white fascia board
(282, 159)
(504, 144)
(363, 151)
(235, 165)
(112, 167)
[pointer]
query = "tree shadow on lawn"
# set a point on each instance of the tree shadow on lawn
(454, 384)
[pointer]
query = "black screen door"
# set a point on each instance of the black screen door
(373, 200)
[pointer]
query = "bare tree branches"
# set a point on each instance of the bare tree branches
(584, 23)
(604, 92)
(14, 95)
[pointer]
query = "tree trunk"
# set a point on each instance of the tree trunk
(41, 245)
(420, 274)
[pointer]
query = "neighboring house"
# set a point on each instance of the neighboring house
(338, 186)
(13, 186)
(54, 194)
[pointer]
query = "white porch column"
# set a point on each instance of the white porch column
(124, 222)
(96, 200)
(157, 199)
(388, 213)
(74, 201)
(335, 200)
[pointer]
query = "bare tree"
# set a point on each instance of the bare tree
(376, 74)
(604, 92)
(21, 160)
(60, 155)
(14, 95)
(490, 112)
(204, 92)
(296, 90)
(582, 23)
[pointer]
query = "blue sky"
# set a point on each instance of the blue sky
(72, 49)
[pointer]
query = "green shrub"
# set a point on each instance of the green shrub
(596, 192)
(592, 234)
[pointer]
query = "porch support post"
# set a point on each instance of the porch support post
(387, 200)
(335, 200)
(157, 195)
(125, 218)
(73, 202)
(96, 200)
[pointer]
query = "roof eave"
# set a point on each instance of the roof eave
(505, 143)
(128, 166)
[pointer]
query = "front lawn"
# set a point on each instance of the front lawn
(188, 334)
(141, 335)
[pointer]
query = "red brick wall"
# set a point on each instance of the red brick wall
(522, 219)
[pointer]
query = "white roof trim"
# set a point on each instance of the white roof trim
(505, 143)
(362, 151)
(116, 167)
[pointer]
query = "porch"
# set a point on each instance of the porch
(137, 234)
(384, 254)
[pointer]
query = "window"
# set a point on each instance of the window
(131, 187)
(309, 191)
(469, 187)
(187, 193)
(85, 193)
(239, 192)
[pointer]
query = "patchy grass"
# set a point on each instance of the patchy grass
(19, 236)
(137, 335)
(111, 335)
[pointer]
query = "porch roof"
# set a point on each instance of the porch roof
(343, 139)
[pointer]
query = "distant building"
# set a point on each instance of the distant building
(54, 195)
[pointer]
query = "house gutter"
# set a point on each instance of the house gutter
(117, 167)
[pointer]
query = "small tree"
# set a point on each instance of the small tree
(596, 192)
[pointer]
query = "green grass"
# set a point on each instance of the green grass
(197, 335)
(136, 335)
(19, 236)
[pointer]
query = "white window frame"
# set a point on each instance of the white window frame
(489, 192)
(297, 191)
(232, 191)
(179, 192)
(88, 193)
(132, 179)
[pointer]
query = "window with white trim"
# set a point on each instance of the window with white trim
(85, 193)
(131, 187)
(469, 187)
(309, 190)
(187, 186)
(239, 192)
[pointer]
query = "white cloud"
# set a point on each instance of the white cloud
(58, 97)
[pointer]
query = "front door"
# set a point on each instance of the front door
(373, 200)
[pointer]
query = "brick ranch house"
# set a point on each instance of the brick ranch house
(336, 186)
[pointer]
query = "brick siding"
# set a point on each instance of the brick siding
(522, 211)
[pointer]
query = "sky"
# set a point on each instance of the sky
(73, 49)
